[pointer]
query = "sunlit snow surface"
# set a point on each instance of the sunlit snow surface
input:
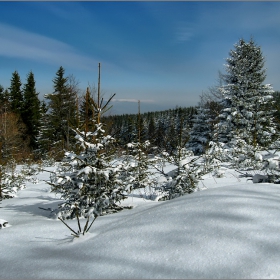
(229, 230)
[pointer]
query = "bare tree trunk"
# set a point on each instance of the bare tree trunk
(98, 96)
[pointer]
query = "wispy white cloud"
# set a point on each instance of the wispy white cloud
(70, 11)
(133, 100)
(238, 16)
(19, 43)
(184, 33)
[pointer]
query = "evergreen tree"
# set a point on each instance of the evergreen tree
(44, 135)
(141, 128)
(15, 108)
(137, 161)
(189, 170)
(201, 131)
(90, 182)
(151, 129)
(31, 111)
(276, 99)
(87, 111)
(137, 167)
(203, 123)
(246, 124)
(16, 96)
(246, 98)
(160, 135)
(11, 180)
(159, 128)
(4, 100)
(129, 130)
(62, 114)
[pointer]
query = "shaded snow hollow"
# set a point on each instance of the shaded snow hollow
(230, 230)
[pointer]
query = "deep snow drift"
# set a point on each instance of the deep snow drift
(230, 230)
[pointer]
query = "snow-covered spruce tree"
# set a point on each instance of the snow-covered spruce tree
(44, 136)
(205, 118)
(29, 170)
(137, 163)
(11, 180)
(178, 123)
(201, 130)
(128, 132)
(137, 172)
(249, 112)
(246, 118)
(185, 177)
(276, 98)
(90, 182)
(13, 177)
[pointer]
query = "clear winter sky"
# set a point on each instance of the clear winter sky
(162, 53)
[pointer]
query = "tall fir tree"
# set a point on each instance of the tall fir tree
(31, 111)
(62, 113)
(16, 104)
(16, 96)
(151, 129)
(161, 131)
(201, 130)
(246, 98)
(44, 137)
(87, 111)
(246, 124)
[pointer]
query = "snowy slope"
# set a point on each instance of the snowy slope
(230, 230)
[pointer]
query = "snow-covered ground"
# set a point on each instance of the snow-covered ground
(229, 230)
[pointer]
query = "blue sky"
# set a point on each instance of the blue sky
(162, 53)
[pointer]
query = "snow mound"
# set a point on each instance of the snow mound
(230, 230)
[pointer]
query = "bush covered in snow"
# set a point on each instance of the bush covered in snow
(11, 180)
(89, 182)
(188, 171)
(137, 163)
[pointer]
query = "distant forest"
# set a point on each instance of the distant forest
(36, 129)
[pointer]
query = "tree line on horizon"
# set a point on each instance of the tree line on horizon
(36, 128)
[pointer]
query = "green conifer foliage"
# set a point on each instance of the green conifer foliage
(90, 181)
(246, 98)
(44, 137)
(16, 96)
(62, 113)
(31, 111)
(87, 112)
(4, 99)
